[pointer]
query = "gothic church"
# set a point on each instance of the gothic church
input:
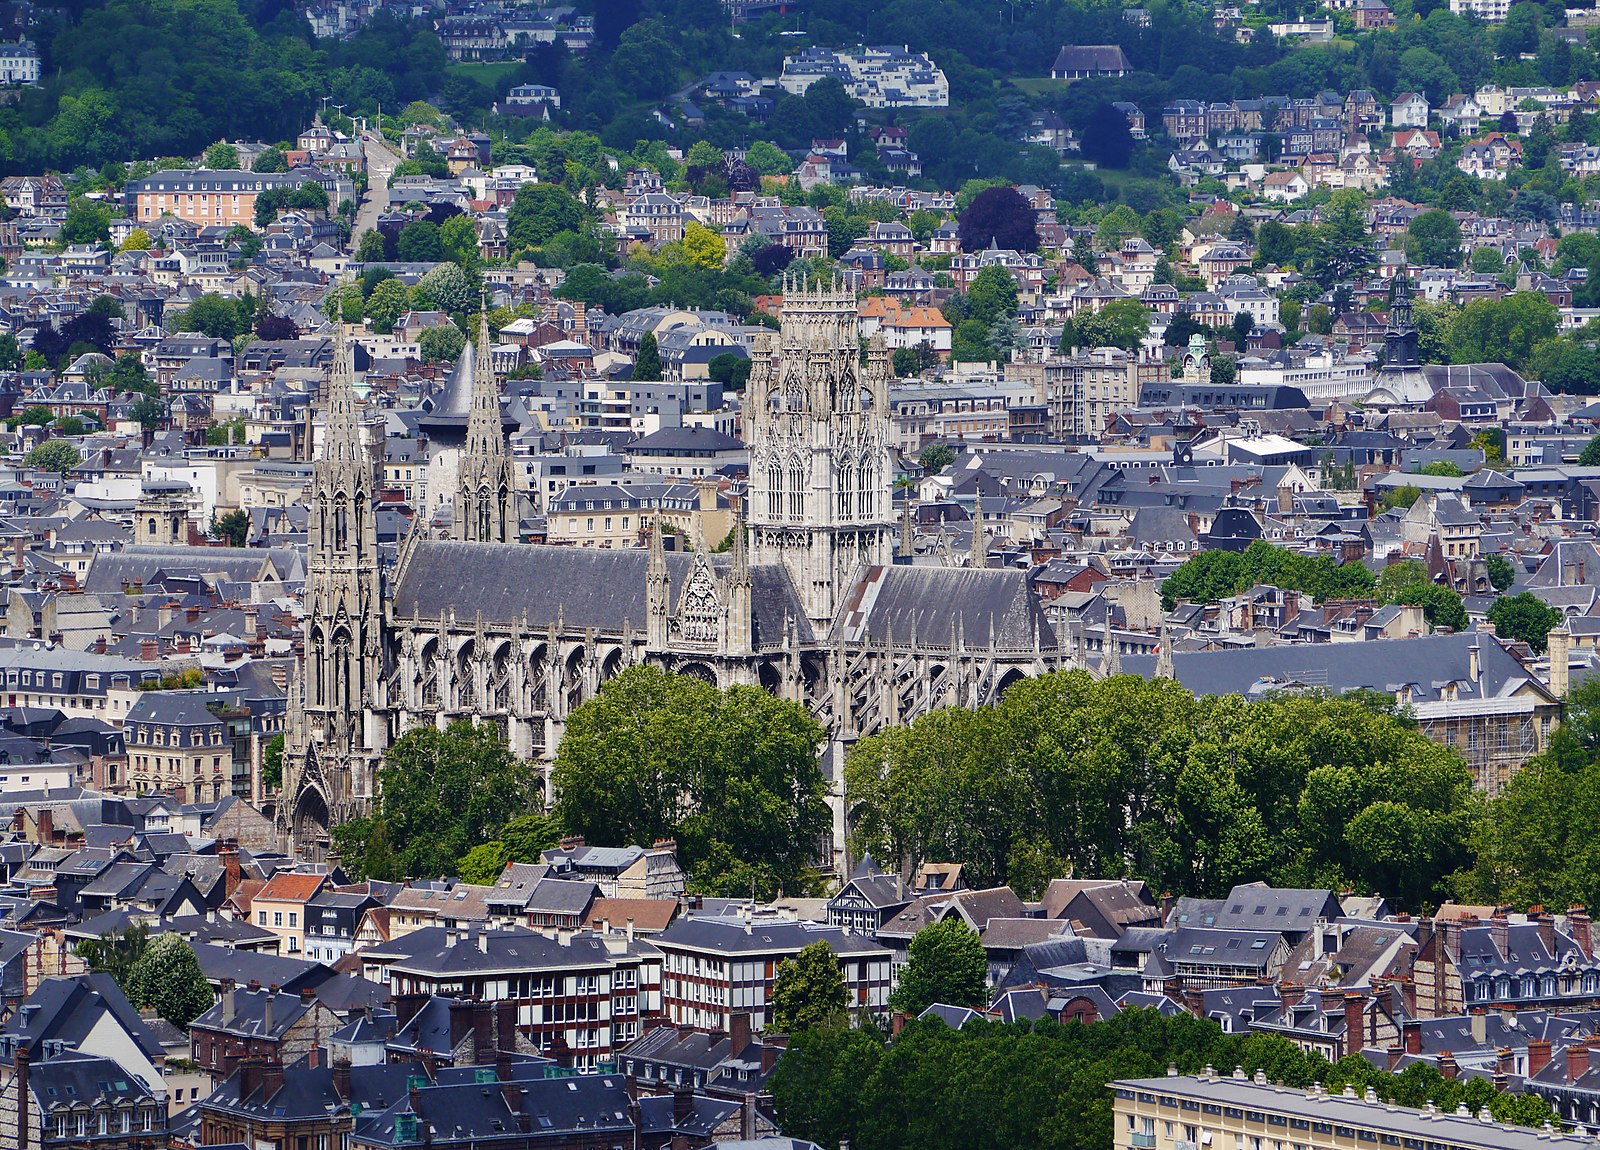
(810, 603)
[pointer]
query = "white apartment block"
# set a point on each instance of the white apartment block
(878, 77)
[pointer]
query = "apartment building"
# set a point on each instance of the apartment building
(220, 198)
(719, 966)
(581, 992)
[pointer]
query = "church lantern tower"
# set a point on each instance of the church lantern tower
(817, 420)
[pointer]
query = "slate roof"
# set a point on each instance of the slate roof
(934, 603)
(583, 586)
(1427, 664)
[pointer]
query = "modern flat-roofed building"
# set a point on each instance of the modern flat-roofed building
(1237, 1113)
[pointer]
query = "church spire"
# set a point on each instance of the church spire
(484, 434)
(341, 409)
(485, 504)
(980, 544)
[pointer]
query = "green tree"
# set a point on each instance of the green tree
(539, 212)
(1401, 497)
(167, 978)
(217, 316)
(388, 302)
(221, 156)
(445, 288)
(1503, 330)
(1501, 574)
(87, 222)
(1396, 577)
(809, 991)
(1590, 455)
(147, 412)
(647, 361)
(1525, 618)
(53, 455)
(1121, 323)
(419, 243)
(234, 527)
(10, 352)
(768, 159)
(731, 775)
(371, 248)
(946, 963)
(483, 864)
(1441, 606)
(271, 160)
(702, 247)
(1342, 248)
(35, 415)
(272, 762)
(441, 793)
(138, 240)
(458, 239)
(1434, 240)
(441, 344)
(1440, 468)
(115, 952)
(936, 457)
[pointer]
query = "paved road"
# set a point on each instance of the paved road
(380, 162)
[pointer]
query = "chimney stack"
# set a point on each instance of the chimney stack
(1538, 1055)
(1411, 1035)
(1581, 929)
(341, 1078)
(1355, 1013)
(1559, 645)
(1447, 1066)
(1577, 1060)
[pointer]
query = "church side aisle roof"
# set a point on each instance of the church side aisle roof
(933, 601)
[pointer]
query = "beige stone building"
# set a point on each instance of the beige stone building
(1221, 1112)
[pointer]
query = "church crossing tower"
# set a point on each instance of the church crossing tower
(817, 420)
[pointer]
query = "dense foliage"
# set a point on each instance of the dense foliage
(1295, 790)
(441, 793)
(1537, 844)
(731, 775)
(1009, 1085)
(809, 990)
(1215, 574)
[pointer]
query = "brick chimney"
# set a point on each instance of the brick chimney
(1581, 929)
(1447, 1066)
(1355, 1013)
(483, 1033)
(228, 852)
(1411, 1035)
(460, 1021)
(682, 1105)
(19, 1070)
(250, 1076)
(1538, 1055)
(149, 650)
(1500, 930)
(1577, 1060)
(738, 1032)
(1547, 931)
(341, 1078)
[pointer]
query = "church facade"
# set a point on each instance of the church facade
(809, 603)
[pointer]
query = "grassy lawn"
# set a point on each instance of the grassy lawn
(1036, 86)
(489, 75)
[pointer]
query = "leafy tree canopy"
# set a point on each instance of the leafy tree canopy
(731, 775)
